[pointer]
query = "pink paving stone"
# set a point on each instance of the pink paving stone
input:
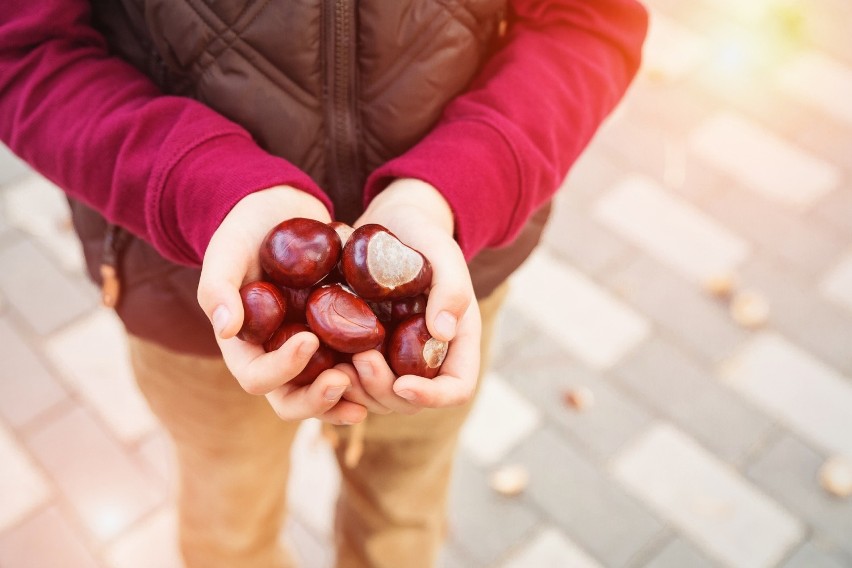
(27, 387)
(103, 484)
(150, 544)
(44, 540)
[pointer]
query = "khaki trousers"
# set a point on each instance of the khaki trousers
(233, 454)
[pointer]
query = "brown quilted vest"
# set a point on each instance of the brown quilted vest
(337, 87)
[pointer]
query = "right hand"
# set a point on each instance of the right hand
(231, 260)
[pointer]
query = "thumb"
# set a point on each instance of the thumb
(450, 296)
(222, 273)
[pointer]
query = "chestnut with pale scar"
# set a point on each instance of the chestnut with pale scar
(378, 266)
(413, 351)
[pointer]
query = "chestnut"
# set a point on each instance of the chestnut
(378, 266)
(299, 252)
(342, 320)
(322, 359)
(264, 309)
(413, 351)
(296, 299)
(383, 310)
(407, 307)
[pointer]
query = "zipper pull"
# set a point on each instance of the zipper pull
(110, 282)
(110, 286)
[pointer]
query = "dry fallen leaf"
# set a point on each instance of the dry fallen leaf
(510, 480)
(581, 398)
(835, 476)
(749, 309)
(720, 285)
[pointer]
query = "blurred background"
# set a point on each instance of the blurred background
(672, 380)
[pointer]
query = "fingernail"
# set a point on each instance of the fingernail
(305, 349)
(364, 368)
(221, 317)
(445, 325)
(407, 394)
(333, 393)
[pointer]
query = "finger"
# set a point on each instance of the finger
(225, 267)
(377, 380)
(317, 399)
(451, 291)
(259, 372)
(456, 384)
(356, 392)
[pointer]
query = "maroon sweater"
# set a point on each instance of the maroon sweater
(100, 129)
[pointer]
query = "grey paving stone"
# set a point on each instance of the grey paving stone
(806, 247)
(11, 167)
(589, 506)
(752, 92)
(812, 556)
(46, 539)
(483, 524)
(679, 553)
(573, 236)
(666, 106)
(452, 557)
(801, 314)
(827, 137)
(93, 473)
(787, 470)
(685, 312)
(676, 386)
(5, 229)
(832, 211)
(595, 171)
(602, 429)
(42, 295)
(27, 387)
(511, 335)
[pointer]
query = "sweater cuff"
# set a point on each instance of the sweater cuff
(205, 183)
(475, 168)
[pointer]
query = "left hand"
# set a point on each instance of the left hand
(422, 219)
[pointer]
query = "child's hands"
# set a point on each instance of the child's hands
(230, 261)
(417, 213)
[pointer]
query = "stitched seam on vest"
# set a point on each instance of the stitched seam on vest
(412, 50)
(299, 94)
(459, 7)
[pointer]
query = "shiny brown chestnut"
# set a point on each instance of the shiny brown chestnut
(264, 308)
(342, 320)
(413, 351)
(378, 266)
(383, 310)
(406, 307)
(299, 252)
(323, 358)
(296, 299)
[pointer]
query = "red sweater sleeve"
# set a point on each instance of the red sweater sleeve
(167, 168)
(502, 149)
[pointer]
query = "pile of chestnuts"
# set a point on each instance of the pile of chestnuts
(355, 289)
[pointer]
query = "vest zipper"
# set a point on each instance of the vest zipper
(341, 110)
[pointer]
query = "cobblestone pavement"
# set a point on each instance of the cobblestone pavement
(728, 166)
